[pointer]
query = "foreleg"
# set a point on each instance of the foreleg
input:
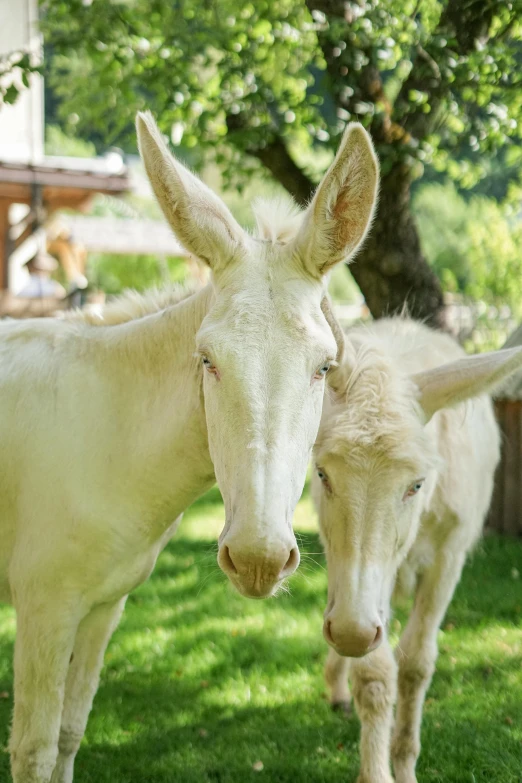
(92, 639)
(374, 684)
(43, 647)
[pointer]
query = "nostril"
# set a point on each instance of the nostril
(226, 560)
(378, 637)
(291, 564)
(327, 630)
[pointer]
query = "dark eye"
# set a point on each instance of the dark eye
(321, 372)
(324, 478)
(207, 364)
(413, 489)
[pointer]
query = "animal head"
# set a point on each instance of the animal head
(376, 468)
(265, 345)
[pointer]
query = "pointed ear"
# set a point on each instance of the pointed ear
(337, 220)
(200, 220)
(452, 383)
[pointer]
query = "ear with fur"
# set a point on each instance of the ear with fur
(200, 220)
(452, 383)
(336, 222)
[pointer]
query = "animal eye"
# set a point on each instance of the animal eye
(321, 372)
(207, 364)
(413, 489)
(324, 478)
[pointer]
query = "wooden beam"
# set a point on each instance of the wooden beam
(20, 307)
(70, 199)
(22, 230)
(45, 176)
(60, 197)
(15, 193)
(4, 245)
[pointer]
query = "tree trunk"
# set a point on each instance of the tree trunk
(391, 270)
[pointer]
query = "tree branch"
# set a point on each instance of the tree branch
(369, 87)
(276, 158)
(465, 25)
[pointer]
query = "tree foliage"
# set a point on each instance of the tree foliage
(276, 81)
(475, 246)
(430, 79)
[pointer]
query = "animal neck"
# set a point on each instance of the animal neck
(162, 433)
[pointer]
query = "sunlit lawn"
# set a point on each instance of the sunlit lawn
(200, 685)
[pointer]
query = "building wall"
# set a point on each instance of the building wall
(21, 124)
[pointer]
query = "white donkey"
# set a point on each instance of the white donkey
(109, 432)
(402, 486)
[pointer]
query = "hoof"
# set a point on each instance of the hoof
(343, 707)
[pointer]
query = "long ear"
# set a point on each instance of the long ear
(200, 220)
(452, 383)
(337, 220)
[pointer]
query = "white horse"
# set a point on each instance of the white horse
(402, 486)
(108, 433)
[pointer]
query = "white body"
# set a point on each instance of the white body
(402, 498)
(109, 431)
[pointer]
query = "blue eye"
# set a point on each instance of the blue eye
(413, 488)
(321, 372)
(324, 478)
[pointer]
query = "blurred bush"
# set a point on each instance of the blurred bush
(475, 248)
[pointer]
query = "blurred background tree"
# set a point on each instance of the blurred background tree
(271, 85)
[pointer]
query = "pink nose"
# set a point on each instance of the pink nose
(353, 639)
(256, 575)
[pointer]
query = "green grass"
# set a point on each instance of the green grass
(200, 684)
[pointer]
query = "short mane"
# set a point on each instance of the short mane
(132, 305)
(379, 406)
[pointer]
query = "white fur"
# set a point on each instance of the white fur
(277, 219)
(110, 428)
(374, 444)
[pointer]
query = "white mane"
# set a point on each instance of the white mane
(132, 305)
(379, 412)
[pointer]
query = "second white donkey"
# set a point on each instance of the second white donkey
(403, 483)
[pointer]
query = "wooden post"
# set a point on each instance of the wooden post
(505, 514)
(512, 468)
(5, 244)
(496, 511)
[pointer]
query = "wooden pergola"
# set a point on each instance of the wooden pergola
(46, 187)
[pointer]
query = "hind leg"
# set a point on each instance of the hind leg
(417, 653)
(336, 676)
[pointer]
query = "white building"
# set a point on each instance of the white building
(33, 185)
(21, 124)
